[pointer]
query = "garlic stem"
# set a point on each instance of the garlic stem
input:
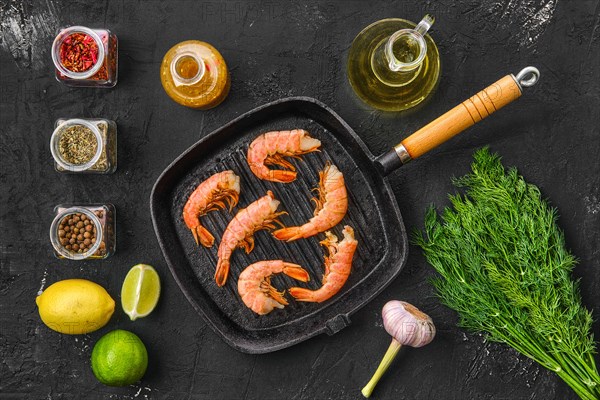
(389, 356)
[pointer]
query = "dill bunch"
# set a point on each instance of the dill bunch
(503, 266)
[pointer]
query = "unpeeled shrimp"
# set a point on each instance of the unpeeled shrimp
(337, 268)
(210, 195)
(255, 289)
(332, 205)
(270, 149)
(261, 214)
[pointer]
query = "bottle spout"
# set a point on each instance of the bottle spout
(405, 50)
(187, 69)
(425, 24)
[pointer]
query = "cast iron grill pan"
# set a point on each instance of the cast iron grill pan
(372, 212)
(376, 261)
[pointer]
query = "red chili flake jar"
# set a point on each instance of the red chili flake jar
(86, 57)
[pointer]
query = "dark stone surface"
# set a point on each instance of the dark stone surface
(273, 50)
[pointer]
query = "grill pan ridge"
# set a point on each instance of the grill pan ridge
(372, 212)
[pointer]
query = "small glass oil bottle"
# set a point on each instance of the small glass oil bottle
(394, 65)
(194, 74)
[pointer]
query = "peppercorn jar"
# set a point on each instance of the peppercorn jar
(86, 57)
(80, 232)
(84, 145)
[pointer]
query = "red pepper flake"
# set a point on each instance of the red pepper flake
(78, 52)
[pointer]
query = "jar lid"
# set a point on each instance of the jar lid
(60, 38)
(60, 249)
(55, 140)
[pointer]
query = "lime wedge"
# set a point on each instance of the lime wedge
(140, 291)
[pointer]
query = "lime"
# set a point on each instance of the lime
(75, 306)
(119, 358)
(140, 291)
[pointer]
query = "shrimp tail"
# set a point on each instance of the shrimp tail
(203, 236)
(288, 234)
(295, 271)
(222, 271)
(302, 294)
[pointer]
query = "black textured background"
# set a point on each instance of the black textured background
(277, 49)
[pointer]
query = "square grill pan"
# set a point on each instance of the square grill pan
(372, 212)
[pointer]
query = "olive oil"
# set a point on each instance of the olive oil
(393, 64)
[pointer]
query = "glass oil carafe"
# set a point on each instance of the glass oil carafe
(394, 65)
(194, 74)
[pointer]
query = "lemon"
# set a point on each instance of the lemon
(140, 291)
(119, 358)
(75, 306)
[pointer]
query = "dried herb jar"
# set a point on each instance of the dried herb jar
(104, 160)
(72, 237)
(86, 57)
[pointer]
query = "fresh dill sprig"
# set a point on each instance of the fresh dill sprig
(503, 266)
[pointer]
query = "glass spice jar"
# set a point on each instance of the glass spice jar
(80, 232)
(74, 140)
(86, 57)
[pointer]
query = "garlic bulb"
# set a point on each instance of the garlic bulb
(407, 324)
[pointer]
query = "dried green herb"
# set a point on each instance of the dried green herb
(77, 144)
(504, 267)
(102, 163)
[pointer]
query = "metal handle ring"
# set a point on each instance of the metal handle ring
(528, 76)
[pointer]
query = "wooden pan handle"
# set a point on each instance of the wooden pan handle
(461, 117)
